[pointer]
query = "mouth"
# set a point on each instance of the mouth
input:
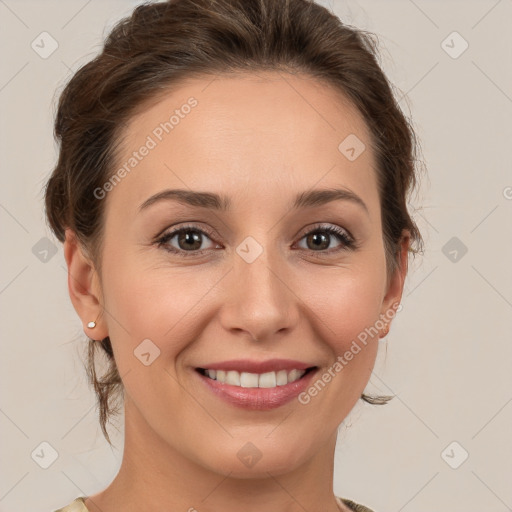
(256, 391)
(256, 380)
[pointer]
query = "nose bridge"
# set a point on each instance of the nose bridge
(261, 301)
(258, 276)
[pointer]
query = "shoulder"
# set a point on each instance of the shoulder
(77, 505)
(356, 507)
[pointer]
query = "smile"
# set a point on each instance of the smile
(256, 391)
(254, 380)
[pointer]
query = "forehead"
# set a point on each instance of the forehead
(245, 134)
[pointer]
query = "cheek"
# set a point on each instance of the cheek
(347, 302)
(164, 305)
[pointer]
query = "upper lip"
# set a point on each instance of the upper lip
(250, 366)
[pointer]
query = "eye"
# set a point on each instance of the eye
(318, 239)
(188, 238)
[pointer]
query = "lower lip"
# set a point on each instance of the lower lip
(260, 399)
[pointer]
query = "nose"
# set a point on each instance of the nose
(259, 301)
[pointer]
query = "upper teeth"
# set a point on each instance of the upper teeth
(255, 380)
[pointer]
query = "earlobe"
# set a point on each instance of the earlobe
(84, 288)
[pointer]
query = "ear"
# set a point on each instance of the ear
(396, 281)
(84, 287)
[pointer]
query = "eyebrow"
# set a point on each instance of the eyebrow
(212, 201)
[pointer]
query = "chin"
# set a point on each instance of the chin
(247, 460)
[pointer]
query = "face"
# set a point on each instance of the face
(280, 273)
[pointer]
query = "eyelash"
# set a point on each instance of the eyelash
(348, 243)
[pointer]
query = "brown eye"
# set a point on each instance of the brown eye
(319, 239)
(189, 240)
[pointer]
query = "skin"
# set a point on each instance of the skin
(259, 139)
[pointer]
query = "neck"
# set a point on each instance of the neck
(156, 475)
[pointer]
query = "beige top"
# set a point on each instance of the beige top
(79, 506)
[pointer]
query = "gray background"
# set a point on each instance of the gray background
(448, 356)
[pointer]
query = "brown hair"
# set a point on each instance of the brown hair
(161, 43)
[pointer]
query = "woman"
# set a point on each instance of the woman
(231, 194)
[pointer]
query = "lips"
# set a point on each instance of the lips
(257, 399)
(271, 395)
(257, 385)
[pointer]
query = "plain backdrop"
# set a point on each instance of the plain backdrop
(443, 443)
